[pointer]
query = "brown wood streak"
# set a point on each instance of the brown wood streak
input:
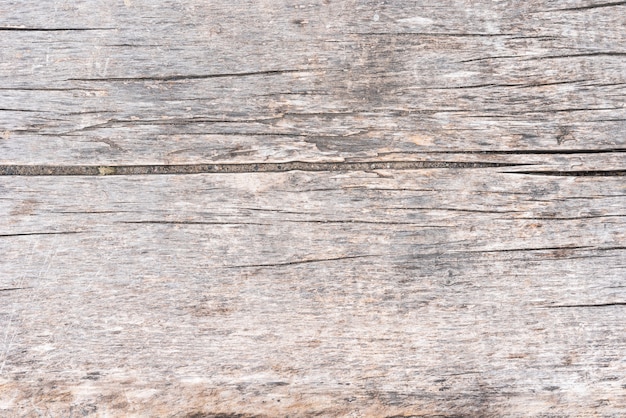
(328, 208)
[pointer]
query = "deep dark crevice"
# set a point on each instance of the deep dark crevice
(572, 218)
(291, 263)
(309, 221)
(563, 248)
(10, 289)
(450, 34)
(578, 173)
(591, 6)
(91, 212)
(182, 77)
(19, 29)
(46, 89)
(510, 250)
(453, 209)
(587, 305)
(565, 110)
(133, 45)
(357, 221)
(475, 86)
(25, 234)
(24, 110)
(489, 58)
(192, 223)
(83, 170)
(515, 152)
(536, 58)
(584, 54)
(519, 85)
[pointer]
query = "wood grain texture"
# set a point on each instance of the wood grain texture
(329, 208)
(160, 82)
(413, 292)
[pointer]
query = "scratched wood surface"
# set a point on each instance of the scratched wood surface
(324, 208)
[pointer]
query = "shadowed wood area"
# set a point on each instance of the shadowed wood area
(325, 208)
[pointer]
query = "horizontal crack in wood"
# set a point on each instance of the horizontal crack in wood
(88, 170)
(574, 173)
(587, 7)
(26, 234)
(588, 305)
(513, 152)
(10, 289)
(292, 263)
(25, 29)
(181, 77)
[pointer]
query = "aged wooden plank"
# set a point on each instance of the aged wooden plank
(388, 293)
(336, 208)
(163, 83)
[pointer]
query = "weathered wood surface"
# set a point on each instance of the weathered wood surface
(406, 208)
(161, 82)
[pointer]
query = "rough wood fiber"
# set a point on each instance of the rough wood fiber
(241, 81)
(413, 292)
(331, 208)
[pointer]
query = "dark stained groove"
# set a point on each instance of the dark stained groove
(544, 37)
(475, 86)
(347, 221)
(489, 58)
(181, 77)
(46, 89)
(25, 234)
(543, 111)
(512, 250)
(292, 263)
(356, 221)
(454, 210)
(520, 85)
(526, 58)
(383, 189)
(554, 83)
(573, 247)
(289, 212)
(89, 112)
(573, 218)
(586, 54)
(516, 152)
(295, 93)
(450, 34)
(133, 45)
(561, 258)
(10, 289)
(129, 170)
(231, 133)
(571, 109)
(591, 6)
(24, 110)
(322, 114)
(579, 173)
(192, 223)
(19, 29)
(587, 305)
(175, 122)
(92, 212)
